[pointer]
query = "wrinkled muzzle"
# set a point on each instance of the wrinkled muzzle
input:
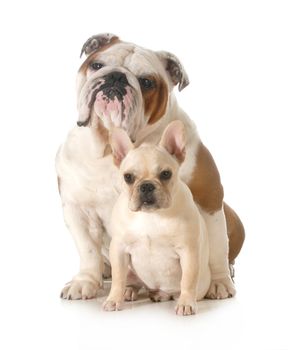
(112, 99)
(149, 196)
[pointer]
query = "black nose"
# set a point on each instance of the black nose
(116, 78)
(147, 187)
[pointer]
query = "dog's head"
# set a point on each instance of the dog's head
(150, 172)
(123, 85)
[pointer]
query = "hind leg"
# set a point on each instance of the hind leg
(221, 286)
(133, 285)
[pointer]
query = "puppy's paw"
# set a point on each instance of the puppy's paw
(158, 296)
(112, 305)
(131, 293)
(186, 307)
(76, 290)
(221, 289)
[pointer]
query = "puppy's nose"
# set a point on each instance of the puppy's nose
(116, 77)
(147, 187)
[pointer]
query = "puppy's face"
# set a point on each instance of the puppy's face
(149, 175)
(150, 172)
(123, 85)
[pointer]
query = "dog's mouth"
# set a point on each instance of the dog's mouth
(148, 205)
(114, 104)
(145, 206)
(111, 100)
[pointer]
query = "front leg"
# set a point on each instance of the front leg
(119, 262)
(221, 286)
(86, 230)
(189, 260)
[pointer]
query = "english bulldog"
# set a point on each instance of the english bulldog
(126, 86)
(158, 233)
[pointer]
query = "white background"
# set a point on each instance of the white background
(236, 55)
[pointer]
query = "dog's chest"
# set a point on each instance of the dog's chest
(87, 177)
(156, 264)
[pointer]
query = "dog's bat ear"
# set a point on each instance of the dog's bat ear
(121, 144)
(174, 140)
(175, 69)
(98, 41)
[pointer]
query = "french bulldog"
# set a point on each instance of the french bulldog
(158, 232)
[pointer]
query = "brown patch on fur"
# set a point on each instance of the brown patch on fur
(235, 231)
(205, 184)
(155, 100)
(107, 150)
(93, 56)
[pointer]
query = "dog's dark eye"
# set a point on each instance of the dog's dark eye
(165, 175)
(129, 178)
(96, 65)
(146, 83)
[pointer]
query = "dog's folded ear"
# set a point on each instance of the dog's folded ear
(175, 69)
(121, 144)
(174, 140)
(98, 41)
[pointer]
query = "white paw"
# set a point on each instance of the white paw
(76, 290)
(131, 293)
(221, 289)
(112, 305)
(186, 308)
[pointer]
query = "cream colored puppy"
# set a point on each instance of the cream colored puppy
(158, 233)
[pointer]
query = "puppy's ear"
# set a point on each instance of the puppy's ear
(120, 144)
(96, 42)
(174, 140)
(174, 68)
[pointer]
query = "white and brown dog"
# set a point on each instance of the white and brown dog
(123, 85)
(158, 233)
